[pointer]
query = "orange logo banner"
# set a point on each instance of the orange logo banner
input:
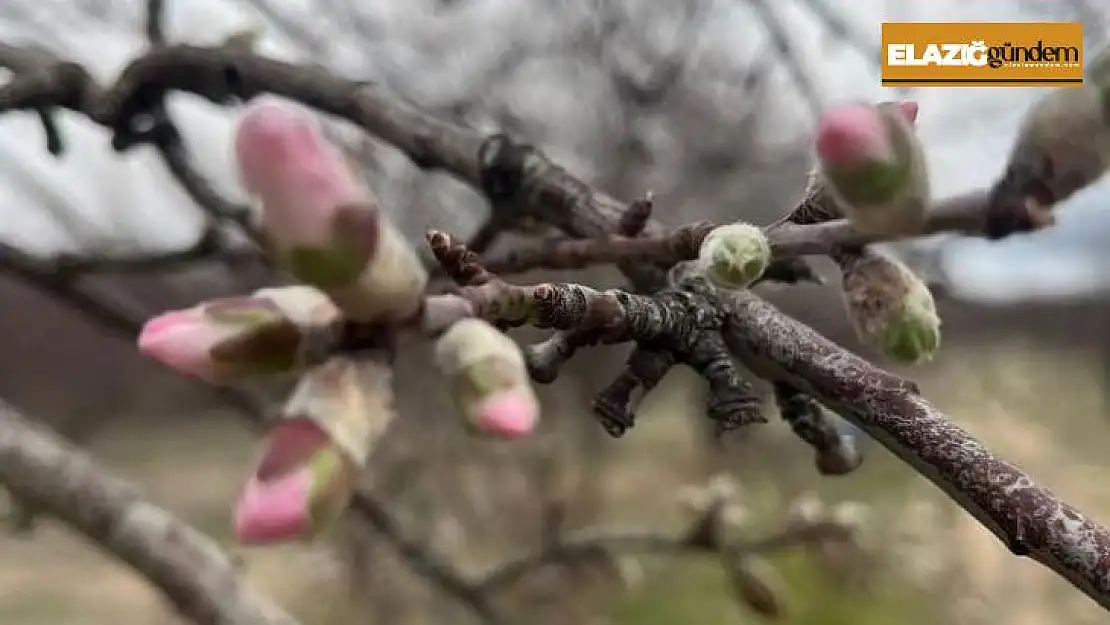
(982, 54)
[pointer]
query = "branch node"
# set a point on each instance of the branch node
(457, 261)
(837, 451)
(635, 219)
(502, 163)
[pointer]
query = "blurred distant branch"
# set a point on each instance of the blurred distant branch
(190, 569)
(842, 29)
(30, 66)
(791, 57)
(717, 520)
(159, 131)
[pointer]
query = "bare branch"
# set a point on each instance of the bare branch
(780, 40)
(614, 541)
(966, 214)
(1030, 520)
(188, 567)
(426, 564)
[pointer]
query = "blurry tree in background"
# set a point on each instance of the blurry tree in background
(710, 105)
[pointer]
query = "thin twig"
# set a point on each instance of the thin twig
(612, 540)
(961, 214)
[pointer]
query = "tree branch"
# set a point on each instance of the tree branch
(699, 538)
(366, 505)
(1030, 520)
(188, 567)
(76, 89)
(965, 214)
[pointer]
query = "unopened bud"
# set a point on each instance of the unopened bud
(488, 379)
(244, 40)
(311, 461)
(890, 307)
(223, 339)
(320, 221)
(735, 255)
(757, 585)
(840, 458)
(874, 166)
(303, 305)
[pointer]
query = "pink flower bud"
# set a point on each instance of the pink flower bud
(321, 223)
(488, 379)
(852, 136)
(222, 339)
(183, 340)
(874, 166)
(509, 414)
(310, 463)
(909, 109)
(301, 180)
(299, 486)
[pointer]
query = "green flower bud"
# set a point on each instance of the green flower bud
(734, 256)
(890, 308)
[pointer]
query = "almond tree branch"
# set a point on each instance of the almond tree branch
(190, 569)
(163, 134)
(214, 242)
(441, 573)
(222, 75)
(56, 277)
(965, 214)
(614, 540)
(1030, 520)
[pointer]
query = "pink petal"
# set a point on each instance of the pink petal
(274, 511)
(290, 444)
(168, 320)
(301, 179)
(183, 347)
(509, 414)
(850, 136)
(909, 109)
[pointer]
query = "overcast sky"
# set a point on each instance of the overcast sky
(94, 199)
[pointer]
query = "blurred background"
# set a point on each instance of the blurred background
(707, 103)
